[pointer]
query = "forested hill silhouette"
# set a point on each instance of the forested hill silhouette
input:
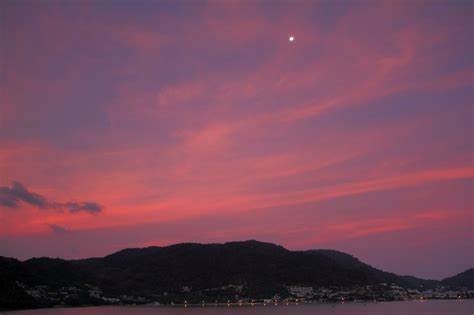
(195, 271)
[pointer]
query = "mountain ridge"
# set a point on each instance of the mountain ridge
(193, 271)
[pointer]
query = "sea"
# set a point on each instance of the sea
(431, 307)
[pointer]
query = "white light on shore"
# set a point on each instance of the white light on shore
(291, 38)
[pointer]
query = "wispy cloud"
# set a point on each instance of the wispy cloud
(17, 193)
(11, 197)
(91, 207)
(58, 229)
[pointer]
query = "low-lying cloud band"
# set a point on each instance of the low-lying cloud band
(17, 193)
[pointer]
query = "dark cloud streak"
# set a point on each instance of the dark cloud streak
(57, 228)
(91, 207)
(12, 197)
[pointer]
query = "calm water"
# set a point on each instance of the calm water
(452, 307)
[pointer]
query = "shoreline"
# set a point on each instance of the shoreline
(232, 305)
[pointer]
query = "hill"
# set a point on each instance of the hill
(193, 272)
(461, 280)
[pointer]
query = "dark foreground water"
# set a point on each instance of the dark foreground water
(451, 307)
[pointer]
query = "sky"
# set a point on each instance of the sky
(148, 123)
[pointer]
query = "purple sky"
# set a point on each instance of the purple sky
(131, 124)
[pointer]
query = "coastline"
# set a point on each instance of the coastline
(233, 304)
